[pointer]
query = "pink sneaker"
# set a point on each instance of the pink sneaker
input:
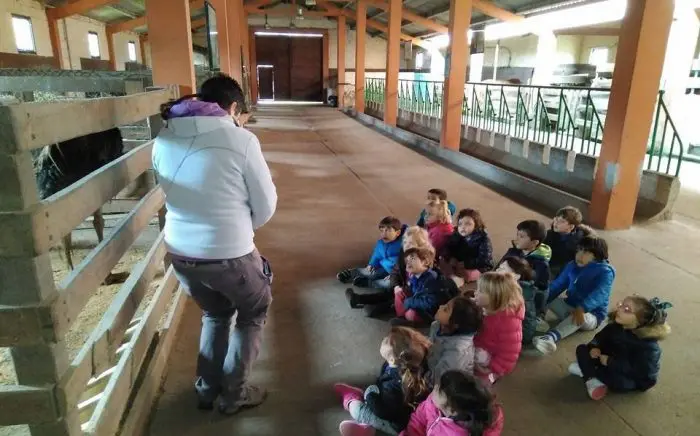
(348, 393)
(596, 389)
(352, 428)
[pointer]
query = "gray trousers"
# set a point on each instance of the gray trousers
(361, 413)
(223, 289)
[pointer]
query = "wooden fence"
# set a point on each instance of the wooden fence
(109, 387)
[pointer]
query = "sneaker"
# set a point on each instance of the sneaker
(251, 396)
(345, 276)
(352, 428)
(351, 297)
(348, 394)
(542, 326)
(575, 369)
(596, 389)
(545, 344)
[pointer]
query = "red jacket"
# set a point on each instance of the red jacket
(439, 233)
(501, 335)
(427, 420)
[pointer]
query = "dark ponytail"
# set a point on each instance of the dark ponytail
(470, 401)
(220, 89)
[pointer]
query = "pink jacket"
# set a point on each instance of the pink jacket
(501, 335)
(439, 233)
(427, 420)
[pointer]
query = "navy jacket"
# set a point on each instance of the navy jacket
(424, 214)
(388, 402)
(530, 320)
(588, 287)
(538, 260)
(429, 292)
(386, 254)
(634, 356)
(475, 251)
(564, 245)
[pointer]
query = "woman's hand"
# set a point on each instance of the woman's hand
(579, 316)
(604, 359)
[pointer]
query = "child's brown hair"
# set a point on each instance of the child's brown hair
(439, 193)
(474, 215)
(571, 214)
(521, 267)
(410, 349)
(503, 290)
(425, 254)
(391, 222)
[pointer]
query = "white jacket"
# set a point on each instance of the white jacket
(217, 184)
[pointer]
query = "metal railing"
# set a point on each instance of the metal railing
(569, 118)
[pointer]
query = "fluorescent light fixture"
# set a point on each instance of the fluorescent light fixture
(265, 66)
(587, 15)
(214, 32)
(290, 34)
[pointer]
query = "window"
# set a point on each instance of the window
(419, 60)
(131, 49)
(598, 56)
(94, 45)
(24, 35)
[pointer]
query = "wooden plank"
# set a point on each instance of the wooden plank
(76, 289)
(137, 419)
(490, 9)
(32, 125)
(100, 348)
(26, 280)
(24, 325)
(34, 231)
(125, 26)
(18, 190)
(109, 410)
(26, 405)
(76, 8)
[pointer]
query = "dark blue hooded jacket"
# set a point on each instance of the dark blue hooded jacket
(634, 356)
(428, 292)
(474, 251)
(588, 287)
(386, 254)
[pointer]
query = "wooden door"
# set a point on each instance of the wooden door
(266, 83)
(306, 75)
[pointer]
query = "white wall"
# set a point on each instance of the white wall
(589, 42)
(73, 33)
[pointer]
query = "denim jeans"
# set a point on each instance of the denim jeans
(361, 413)
(223, 289)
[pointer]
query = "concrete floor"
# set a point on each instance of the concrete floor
(336, 179)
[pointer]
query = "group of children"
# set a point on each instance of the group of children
(479, 316)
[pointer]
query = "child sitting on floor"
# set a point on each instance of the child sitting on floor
(401, 386)
(427, 290)
(524, 275)
(460, 405)
(528, 245)
(434, 195)
(468, 251)
(380, 302)
(452, 334)
(564, 236)
(588, 283)
(624, 356)
(499, 341)
(439, 224)
(384, 257)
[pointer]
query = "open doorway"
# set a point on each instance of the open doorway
(290, 65)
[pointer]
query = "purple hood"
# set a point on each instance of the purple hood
(197, 108)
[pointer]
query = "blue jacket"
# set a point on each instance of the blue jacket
(588, 287)
(429, 292)
(386, 399)
(424, 213)
(386, 254)
(634, 356)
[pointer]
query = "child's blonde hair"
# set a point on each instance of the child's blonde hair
(503, 290)
(410, 348)
(441, 210)
(416, 237)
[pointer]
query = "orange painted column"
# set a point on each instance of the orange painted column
(635, 84)
(170, 38)
(252, 63)
(222, 32)
(142, 46)
(360, 38)
(458, 53)
(235, 37)
(55, 38)
(393, 58)
(110, 51)
(341, 61)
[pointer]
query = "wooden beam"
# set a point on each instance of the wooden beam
(124, 26)
(26, 405)
(55, 38)
(77, 8)
(255, 4)
(412, 17)
(342, 36)
(393, 61)
(110, 50)
(360, 43)
(288, 12)
(488, 8)
(199, 23)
